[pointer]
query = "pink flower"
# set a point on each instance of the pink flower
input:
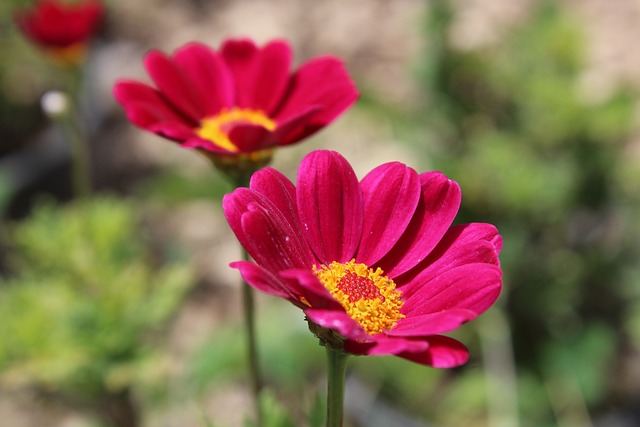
(375, 265)
(61, 28)
(238, 100)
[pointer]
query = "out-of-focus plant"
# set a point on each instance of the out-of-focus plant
(82, 313)
(537, 152)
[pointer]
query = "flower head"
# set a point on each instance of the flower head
(375, 264)
(240, 101)
(63, 29)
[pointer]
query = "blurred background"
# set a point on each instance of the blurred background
(123, 307)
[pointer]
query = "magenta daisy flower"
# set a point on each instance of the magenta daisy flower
(63, 29)
(375, 265)
(240, 100)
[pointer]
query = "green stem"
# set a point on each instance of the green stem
(336, 370)
(80, 154)
(252, 345)
(248, 303)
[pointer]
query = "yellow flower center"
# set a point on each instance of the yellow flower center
(216, 129)
(368, 296)
(69, 55)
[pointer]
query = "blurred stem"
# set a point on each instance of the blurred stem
(566, 399)
(252, 345)
(499, 367)
(80, 153)
(336, 372)
(248, 303)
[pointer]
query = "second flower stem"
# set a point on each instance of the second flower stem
(252, 346)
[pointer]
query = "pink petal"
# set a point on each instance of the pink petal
(443, 352)
(432, 324)
(303, 282)
(241, 57)
(438, 206)
(338, 321)
(390, 196)
(174, 86)
(205, 71)
(171, 130)
(249, 138)
(462, 244)
(203, 144)
(471, 286)
(264, 231)
(381, 344)
(275, 186)
(263, 280)
(322, 82)
(144, 105)
(287, 131)
(330, 205)
(271, 76)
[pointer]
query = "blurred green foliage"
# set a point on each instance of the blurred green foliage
(538, 153)
(82, 314)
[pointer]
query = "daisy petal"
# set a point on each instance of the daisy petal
(276, 187)
(248, 138)
(263, 280)
(144, 105)
(472, 286)
(390, 196)
(330, 206)
(338, 321)
(241, 57)
(271, 76)
(443, 352)
(432, 323)
(208, 75)
(264, 231)
(172, 84)
(439, 202)
(322, 82)
(462, 244)
(380, 345)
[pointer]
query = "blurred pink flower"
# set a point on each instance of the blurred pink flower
(239, 100)
(375, 265)
(63, 29)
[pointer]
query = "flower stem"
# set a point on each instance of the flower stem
(80, 158)
(248, 302)
(252, 345)
(336, 370)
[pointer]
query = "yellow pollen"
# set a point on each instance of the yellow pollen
(216, 128)
(368, 296)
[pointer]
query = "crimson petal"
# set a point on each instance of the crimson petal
(144, 105)
(443, 352)
(432, 323)
(208, 75)
(172, 84)
(439, 202)
(276, 187)
(383, 345)
(264, 231)
(330, 206)
(471, 286)
(338, 321)
(322, 82)
(462, 244)
(241, 57)
(271, 76)
(248, 138)
(390, 196)
(263, 280)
